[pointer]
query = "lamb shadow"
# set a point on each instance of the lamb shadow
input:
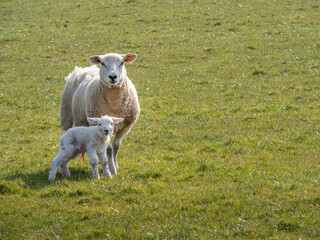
(39, 180)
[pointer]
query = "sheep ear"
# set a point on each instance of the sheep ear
(129, 57)
(117, 120)
(93, 121)
(95, 59)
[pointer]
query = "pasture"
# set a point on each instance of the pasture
(227, 145)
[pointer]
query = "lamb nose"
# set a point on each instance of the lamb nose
(106, 131)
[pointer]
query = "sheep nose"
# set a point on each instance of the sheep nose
(106, 131)
(113, 77)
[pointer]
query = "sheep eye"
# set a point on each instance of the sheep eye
(121, 64)
(103, 64)
(99, 124)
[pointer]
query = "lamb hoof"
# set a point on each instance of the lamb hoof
(107, 173)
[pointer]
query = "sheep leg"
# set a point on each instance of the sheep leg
(56, 163)
(66, 120)
(117, 141)
(104, 163)
(112, 167)
(94, 164)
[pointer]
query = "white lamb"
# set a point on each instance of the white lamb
(94, 92)
(92, 140)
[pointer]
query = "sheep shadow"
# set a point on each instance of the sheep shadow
(39, 180)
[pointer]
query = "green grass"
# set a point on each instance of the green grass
(227, 143)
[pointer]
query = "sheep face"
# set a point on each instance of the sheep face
(112, 70)
(105, 124)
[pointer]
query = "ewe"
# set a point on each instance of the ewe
(92, 140)
(94, 92)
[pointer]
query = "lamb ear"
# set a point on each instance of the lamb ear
(95, 59)
(129, 57)
(93, 121)
(117, 120)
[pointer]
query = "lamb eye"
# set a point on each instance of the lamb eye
(121, 64)
(99, 124)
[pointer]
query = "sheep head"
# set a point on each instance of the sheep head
(112, 70)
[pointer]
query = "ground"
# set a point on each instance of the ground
(227, 143)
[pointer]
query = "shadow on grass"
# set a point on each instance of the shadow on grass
(40, 180)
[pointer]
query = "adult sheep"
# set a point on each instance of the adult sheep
(94, 92)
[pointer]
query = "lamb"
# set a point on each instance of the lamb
(94, 92)
(92, 140)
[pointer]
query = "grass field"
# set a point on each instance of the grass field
(227, 145)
